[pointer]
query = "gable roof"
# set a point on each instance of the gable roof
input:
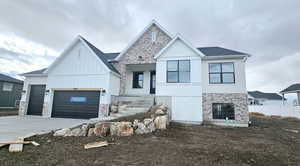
(262, 95)
(292, 88)
(102, 56)
(6, 78)
(219, 51)
(98, 53)
(153, 22)
(35, 72)
(177, 37)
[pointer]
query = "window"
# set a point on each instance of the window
(178, 71)
(138, 80)
(223, 111)
(153, 36)
(7, 86)
(75, 99)
(221, 73)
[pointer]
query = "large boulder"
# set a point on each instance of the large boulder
(135, 124)
(121, 129)
(62, 132)
(141, 129)
(102, 129)
(161, 122)
(159, 112)
(149, 123)
(91, 132)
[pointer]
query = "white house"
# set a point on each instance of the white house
(205, 84)
(261, 98)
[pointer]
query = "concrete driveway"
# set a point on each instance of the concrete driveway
(20, 126)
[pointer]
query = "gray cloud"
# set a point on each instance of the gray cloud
(269, 30)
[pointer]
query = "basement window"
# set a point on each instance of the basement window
(138, 80)
(223, 111)
(7, 87)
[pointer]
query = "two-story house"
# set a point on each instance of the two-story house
(205, 84)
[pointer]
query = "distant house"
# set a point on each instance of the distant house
(261, 98)
(294, 88)
(10, 91)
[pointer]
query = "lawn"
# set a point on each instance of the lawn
(8, 112)
(269, 141)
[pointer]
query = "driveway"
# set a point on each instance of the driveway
(20, 126)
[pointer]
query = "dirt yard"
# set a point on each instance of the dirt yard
(8, 112)
(269, 141)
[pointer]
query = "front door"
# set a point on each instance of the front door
(36, 99)
(152, 82)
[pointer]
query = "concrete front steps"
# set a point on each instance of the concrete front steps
(134, 105)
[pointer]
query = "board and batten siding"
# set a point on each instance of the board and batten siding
(186, 97)
(80, 69)
(240, 77)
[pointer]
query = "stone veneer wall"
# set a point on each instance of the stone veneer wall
(240, 107)
(143, 47)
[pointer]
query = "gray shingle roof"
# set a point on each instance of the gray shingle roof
(262, 95)
(36, 71)
(102, 56)
(111, 56)
(294, 87)
(219, 51)
(6, 78)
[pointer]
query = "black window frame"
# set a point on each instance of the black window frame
(178, 71)
(135, 80)
(221, 73)
(224, 113)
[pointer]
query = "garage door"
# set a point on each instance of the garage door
(36, 99)
(76, 104)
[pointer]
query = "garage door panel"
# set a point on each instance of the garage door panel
(188, 109)
(76, 104)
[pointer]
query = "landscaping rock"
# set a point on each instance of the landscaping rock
(91, 132)
(161, 122)
(142, 129)
(102, 129)
(121, 129)
(159, 112)
(135, 124)
(75, 132)
(163, 108)
(62, 132)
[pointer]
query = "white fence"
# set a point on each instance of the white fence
(281, 110)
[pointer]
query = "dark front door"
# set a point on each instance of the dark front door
(36, 99)
(76, 104)
(152, 82)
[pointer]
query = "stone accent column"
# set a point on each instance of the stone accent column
(22, 107)
(103, 110)
(240, 106)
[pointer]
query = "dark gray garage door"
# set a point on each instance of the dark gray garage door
(76, 104)
(36, 99)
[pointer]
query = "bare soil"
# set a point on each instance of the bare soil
(269, 141)
(8, 112)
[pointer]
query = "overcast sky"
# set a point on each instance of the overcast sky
(33, 32)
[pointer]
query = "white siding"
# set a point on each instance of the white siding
(240, 78)
(186, 97)
(80, 68)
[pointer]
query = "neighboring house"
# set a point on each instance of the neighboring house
(294, 88)
(261, 98)
(205, 84)
(10, 91)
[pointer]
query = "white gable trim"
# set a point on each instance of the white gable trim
(153, 22)
(178, 37)
(64, 53)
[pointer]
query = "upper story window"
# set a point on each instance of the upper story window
(221, 73)
(7, 86)
(138, 80)
(153, 36)
(178, 71)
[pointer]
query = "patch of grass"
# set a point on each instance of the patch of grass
(290, 118)
(8, 112)
(256, 114)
